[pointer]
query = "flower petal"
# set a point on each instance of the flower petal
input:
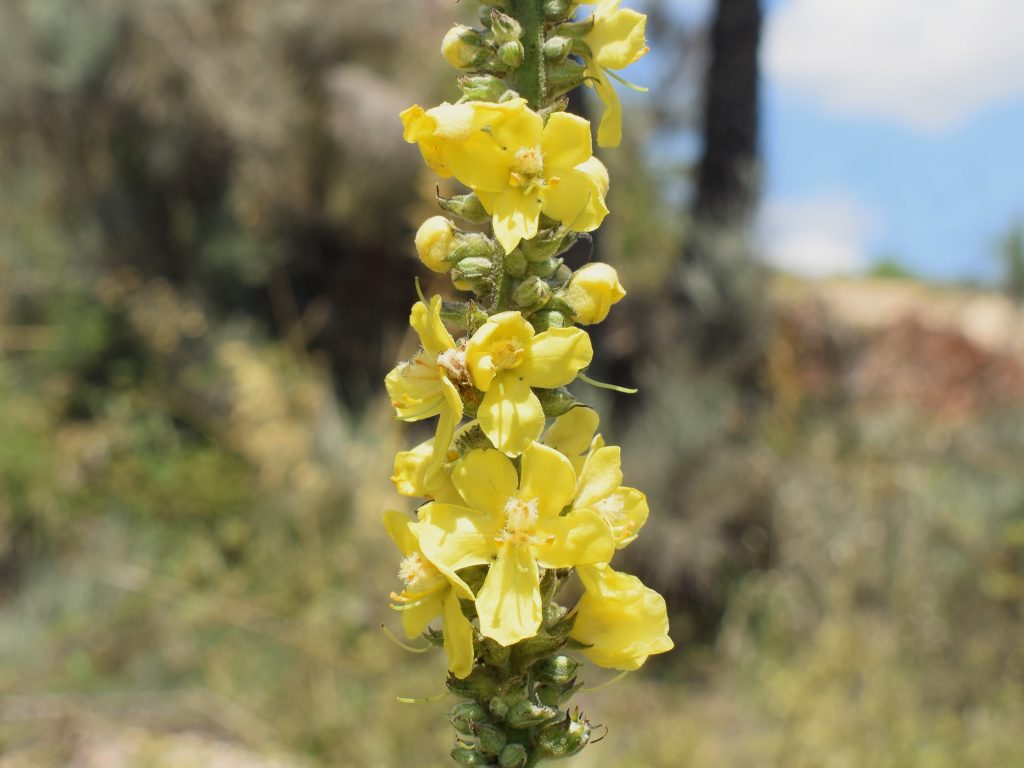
(601, 475)
(577, 200)
(509, 604)
(415, 388)
(426, 321)
(631, 516)
(516, 216)
(579, 538)
(411, 476)
(397, 525)
(454, 537)
(548, 477)
(486, 479)
(458, 637)
(617, 38)
(609, 130)
(565, 143)
(510, 414)
(555, 356)
(571, 434)
(621, 620)
(451, 415)
(416, 617)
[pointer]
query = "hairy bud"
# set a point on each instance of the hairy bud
(467, 207)
(532, 292)
(592, 291)
(504, 27)
(557, 48)
(462, 47)
(434, 242)
(511, 54)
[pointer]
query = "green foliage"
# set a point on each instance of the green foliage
(890, 268)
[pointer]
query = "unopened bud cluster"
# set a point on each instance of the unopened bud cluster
(518, 491)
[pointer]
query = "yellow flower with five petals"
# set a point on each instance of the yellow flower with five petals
(615, 41)
(513, 524)
(429, 594)
(518, 166)
(505, 359)
(621, 620)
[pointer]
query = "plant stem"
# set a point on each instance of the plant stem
(529, 79)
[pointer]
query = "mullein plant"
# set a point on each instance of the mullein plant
(519, 489)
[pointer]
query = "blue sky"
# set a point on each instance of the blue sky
(891, 127)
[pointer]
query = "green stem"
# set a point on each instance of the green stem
(529, 79)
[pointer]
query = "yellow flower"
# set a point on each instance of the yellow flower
(615, 42)
(413, 477)
(506, 359)
(621, 620)
(592, 291)
(429, 594)
(513, 524)
(433, 381)
(517, 165)
(599, 488)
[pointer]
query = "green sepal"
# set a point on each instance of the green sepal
(556, 402)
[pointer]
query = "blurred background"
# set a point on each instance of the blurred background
(206, 265)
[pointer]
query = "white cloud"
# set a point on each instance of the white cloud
(928, 64)
(816, 237)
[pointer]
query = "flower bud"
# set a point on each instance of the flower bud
(499, 707)
(557, 669)
(491, 739)
(558, 10)
(592, 291)
(479, 685)
(513, 756)
(547, 244)
(566, 737)
(482, 87)
(511, 54)
(548, 318)
(467, 716)
(526, 714)
(464, 314)
(555, 402)
(557, 48)
(467, 207)
(470, 757)
(531, 292)
(563, 76)
(504, 27)
(545, 268)
(515, 263)
(434, 241)
(474, 267)
(462, 47)
(474, 244)
(561, 276)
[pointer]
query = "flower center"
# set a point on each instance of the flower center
(613, 510)
(453, 365)
(506, 354)
(527, 168)
(520, 521)
(417, 572)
